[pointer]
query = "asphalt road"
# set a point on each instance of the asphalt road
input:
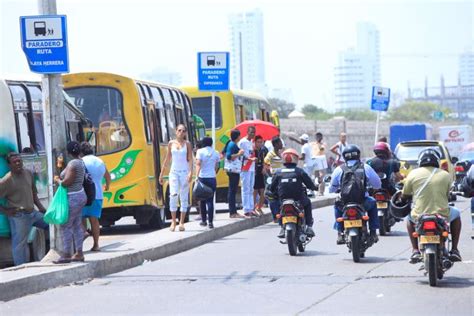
(252, 273)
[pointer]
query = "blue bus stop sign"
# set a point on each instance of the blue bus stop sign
(44, 42)
(213, 71)
(380, 99)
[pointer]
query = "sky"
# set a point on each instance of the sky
(419, 38)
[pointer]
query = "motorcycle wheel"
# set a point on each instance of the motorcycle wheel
(432, 268)
(383, 225)
(292, 242)
(355, 248)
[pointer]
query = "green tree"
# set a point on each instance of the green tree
(416, 111)
(315, 113)
(282, 106)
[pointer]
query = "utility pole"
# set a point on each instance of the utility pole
(53, 109)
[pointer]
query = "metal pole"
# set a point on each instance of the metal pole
(213, 120)
(53, 109)
(377, 127)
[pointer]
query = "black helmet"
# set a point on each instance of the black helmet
(351, 152)
(399, 209)
(429, 158)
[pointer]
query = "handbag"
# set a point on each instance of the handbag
(58, 211)
(89, 186)
(202, 191)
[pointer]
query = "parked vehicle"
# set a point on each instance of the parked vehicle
(293, 221)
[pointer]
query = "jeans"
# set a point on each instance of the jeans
(275, 207)
(179, 187)
(472, 204)
(209, 203)
(248, 180)
(233, 186)
(20, 226)
(370, 206)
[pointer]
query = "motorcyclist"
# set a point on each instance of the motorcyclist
(383, 163)
(351, 155)
(430, 187)
(287, 183)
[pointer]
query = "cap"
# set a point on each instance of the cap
(304, 137)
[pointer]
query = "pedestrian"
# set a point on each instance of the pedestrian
(98, 171)
(18, 188)
(320, 161)
(180, 154)
(207, 163)
(338, 148)
(247, 174)
(274, 162)
(259, 185)
(72, 178)
(233, 167)
(307, 155)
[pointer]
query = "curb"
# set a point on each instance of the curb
(61, 275)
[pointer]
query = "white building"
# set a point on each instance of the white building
(358, 70)
(247, 51)
(466, 68)
(163, 75)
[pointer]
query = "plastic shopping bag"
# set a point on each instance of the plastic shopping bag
(58, 210)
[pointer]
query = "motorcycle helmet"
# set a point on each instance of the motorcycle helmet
(429, 158)
(351, 152)
(382, 149)
(290, 156)
(399, 209)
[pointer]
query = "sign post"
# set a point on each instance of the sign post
(380, 102)
(213, 75)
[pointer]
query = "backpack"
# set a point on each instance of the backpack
(89, 186)
(353, 184)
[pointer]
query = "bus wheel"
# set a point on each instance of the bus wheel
(37, 244)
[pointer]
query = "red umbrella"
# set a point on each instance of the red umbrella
(265, 129)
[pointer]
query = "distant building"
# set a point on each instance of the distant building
(163, 75)
(247, 51)
(466, 68)
(459, 99)
(358, 70)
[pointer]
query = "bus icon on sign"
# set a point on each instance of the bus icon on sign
(211, 60)
(40, 28)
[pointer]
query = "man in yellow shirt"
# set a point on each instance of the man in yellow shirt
(429, 186)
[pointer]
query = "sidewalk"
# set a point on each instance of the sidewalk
(35, 277)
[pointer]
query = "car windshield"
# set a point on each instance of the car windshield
(411, 153)
(467, 155)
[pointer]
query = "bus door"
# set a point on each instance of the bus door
(155, 140)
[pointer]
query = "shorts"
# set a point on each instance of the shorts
(320, 163)
(94, 210)
(259, 181)
(453, 214)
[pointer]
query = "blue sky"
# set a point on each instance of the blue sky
(302, 38)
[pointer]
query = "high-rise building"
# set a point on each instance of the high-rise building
(247, 51)
(358, 70)
(466, 68)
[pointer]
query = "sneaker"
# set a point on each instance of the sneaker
(341, 240)
(455, 256)
(373, 236)
(203, 224)
(281, 234)
(211, 225)
(310, 231)
(415, 257)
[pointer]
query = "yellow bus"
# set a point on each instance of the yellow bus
(232, 108)
(131, 124)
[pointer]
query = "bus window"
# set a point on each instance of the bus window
(203, 107)
(36, 96)
(171, 121)
(159, 104)
(22, 113)
(238, 113)
(104, 107)
(143, 97)
(163, 126)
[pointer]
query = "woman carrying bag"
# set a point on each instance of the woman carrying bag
(207, 163)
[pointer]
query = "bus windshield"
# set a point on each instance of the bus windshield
(103, 106)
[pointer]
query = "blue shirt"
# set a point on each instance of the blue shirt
(96, 167)
(232, 149)
(372, 177)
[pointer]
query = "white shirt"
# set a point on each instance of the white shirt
(307, 151)
(247, 146)
(96, 167)
(209, 158)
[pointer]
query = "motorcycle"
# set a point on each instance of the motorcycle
(432, 232)
(293, 221)
(356, 234)
(461, 168)
(382, 198)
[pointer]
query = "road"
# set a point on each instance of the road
(251, 273)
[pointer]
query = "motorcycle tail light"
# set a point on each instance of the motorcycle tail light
(459, 169)
(429, 225)
(445, 234)
(288, 208)
(351, 212)
(380, 197)
(365, 217)
(444, 165)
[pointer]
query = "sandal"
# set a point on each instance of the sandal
(77, 259)
(455, 256)
(173, 227)
(62, 260)
(415, 257)
(181, 228)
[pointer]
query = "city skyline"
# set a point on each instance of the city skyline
(302, 39)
